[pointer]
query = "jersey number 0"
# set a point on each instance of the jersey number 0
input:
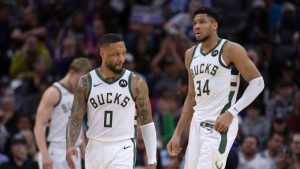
(108, 116)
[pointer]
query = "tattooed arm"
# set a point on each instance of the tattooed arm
(74, 125)
(142, 101)
(144, 116)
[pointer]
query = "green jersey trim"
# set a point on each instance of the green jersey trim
(220, 59)
(204, 54)
(89, 85)
(134, 151)
(56, 104)
(129, 82)
(194, 50)
(110, 82)
(65, 87)
(223, 142)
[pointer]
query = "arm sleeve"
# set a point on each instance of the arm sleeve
(252, 91)
(149, 137)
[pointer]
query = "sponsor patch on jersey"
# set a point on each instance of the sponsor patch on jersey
(123, 83)
(215, 53)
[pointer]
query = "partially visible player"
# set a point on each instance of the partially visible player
(114, 99)
(210, 104)
(55, 106)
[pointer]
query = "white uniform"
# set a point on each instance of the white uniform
(57, 130)
(111, 123)
(216, 86)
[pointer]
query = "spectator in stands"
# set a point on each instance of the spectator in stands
(23, 60)
(275, 140)
(4, 135)
(10, 114)
(293, 124)
(279, 125)
(29, 27)
(288, 27)
(255, 124)
(281, 105)
(19, 158)
(283, 158)
(248, 155)
(295, 145)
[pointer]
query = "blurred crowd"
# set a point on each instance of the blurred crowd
(40, 38)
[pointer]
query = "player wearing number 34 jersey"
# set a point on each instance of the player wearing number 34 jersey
(214, 66)
(115, 100)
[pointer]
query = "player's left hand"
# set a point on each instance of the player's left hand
(151, 166)
(71, 152)
(223, 122)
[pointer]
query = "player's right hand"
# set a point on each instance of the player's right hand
(71, 152)
(174, 146)
(47, 161)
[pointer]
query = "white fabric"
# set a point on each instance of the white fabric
(110, 155)
(58, 155)
(203, 147)
(149, 137)
(60, 117)
(111, 109)
(252, 91)
(212, 82)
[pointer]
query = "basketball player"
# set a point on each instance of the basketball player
(210, 104)
(55, 106)
(113, 98)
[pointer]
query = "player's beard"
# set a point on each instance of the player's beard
(114, 69)
(203, 39)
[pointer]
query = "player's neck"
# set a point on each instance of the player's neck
(210, 43)
(66, 82)
(107, 73)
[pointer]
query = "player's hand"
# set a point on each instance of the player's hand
(47, 161)
(223, 122)
(151, 166)
(174, 146)
(71, 151)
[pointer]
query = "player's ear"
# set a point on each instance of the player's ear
(215, 26)
(102, 52)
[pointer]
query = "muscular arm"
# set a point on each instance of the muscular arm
(236, 54)
(79, 107)
(45, 108)
(141, 96)
(144, 114)
(187, 111)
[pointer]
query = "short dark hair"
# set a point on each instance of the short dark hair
(252, 136)
(210, 12)
(109, 38)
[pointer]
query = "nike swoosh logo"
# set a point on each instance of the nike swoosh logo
(196, 56)
(95, 85)
(126, 147)
(235, 109)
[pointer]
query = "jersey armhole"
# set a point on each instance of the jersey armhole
(194, 50)
(221, 60)
(129, 84)
(89, 85)
(59, 91)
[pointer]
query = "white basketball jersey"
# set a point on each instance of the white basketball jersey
(111, 108)
(60, 116)
(216, 84)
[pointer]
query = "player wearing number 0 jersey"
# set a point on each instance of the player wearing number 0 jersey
(114, 99)
(111, 104)
(210, 106)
